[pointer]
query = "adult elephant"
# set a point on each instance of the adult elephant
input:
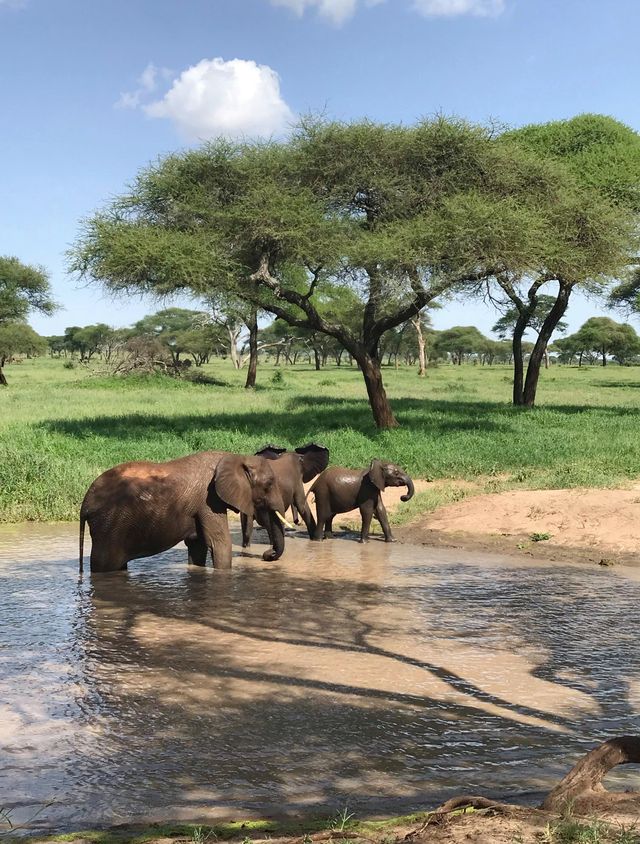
(140, 509)
(292, 469)
(339, 490)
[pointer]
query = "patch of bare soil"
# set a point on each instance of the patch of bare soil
(582, 525)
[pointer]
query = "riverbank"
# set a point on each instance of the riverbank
(595, 526)
(500, 825)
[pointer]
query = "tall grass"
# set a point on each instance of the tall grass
(59, 428)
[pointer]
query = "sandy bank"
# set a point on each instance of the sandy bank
(569, 525)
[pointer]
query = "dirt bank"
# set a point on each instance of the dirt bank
(569, 525)
(505, 825)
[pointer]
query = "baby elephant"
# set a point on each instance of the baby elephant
(339, 490)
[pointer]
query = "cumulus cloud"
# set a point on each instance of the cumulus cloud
(451, 8)
(231, 98)
(338, 11)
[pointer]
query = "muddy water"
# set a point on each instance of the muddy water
(382, 677)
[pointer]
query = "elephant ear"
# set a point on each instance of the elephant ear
(232, 481)
(270, 451)
(376, 474)
(315, 459)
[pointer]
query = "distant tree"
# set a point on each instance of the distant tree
(606, 337)
(88, 340)
(459, 341)
(421, 323)
(169, 327)
(18, 338)
(56, 345)
(202, 342)
(23, 289)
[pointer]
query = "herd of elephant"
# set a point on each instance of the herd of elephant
(142, 508)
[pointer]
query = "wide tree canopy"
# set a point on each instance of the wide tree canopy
(396, 215)
(598, 219)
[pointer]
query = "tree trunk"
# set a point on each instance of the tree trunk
(582, 787)
(3, 380)
(316, 359)
(252, 325)
(233, 347)
(546, 357)
(548, 327)
(604, 356)
(380, 407)
(518, 362)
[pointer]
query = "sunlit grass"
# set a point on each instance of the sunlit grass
(60, 427)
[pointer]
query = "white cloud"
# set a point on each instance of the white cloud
(231, 98)
(147, 84)
(452, 8)
(339, 11)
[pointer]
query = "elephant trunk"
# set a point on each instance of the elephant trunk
(410, 490)
(276, 535)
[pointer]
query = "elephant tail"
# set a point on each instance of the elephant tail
(83, 521)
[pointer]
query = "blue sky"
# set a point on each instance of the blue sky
(92, 90)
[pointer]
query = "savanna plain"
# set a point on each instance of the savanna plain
(60, 427)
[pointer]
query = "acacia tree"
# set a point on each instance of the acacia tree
(18, 338)
(459, 341)
(604, 336)
(595, 222)
(23, 289)
(169, 327)
(397, 215)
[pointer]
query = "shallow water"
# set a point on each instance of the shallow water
(383, 677)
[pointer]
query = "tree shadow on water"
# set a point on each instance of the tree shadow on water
(269, 689)
(338, 675)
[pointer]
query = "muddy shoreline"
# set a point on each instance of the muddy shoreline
(514, 547)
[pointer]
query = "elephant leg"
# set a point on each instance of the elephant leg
(322, 514)
(197, 551)
(247, 529)
(381, 516)
(214, 528)
(107, 560)
(300, 506)
(296, 512)
(328, 528)
(366, 511)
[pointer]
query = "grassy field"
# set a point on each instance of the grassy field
(59, 428)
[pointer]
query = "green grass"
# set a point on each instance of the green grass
(232, 830)
(570, 830)
(59, 428)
